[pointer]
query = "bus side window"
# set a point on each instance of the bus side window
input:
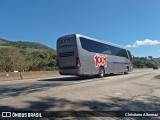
(108, 52)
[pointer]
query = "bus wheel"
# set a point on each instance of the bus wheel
(127, 70)
(101, 72)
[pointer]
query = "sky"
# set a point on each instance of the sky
(131, 23)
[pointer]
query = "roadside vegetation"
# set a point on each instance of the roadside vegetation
(26, 56)
(157, 77)
(145, 62)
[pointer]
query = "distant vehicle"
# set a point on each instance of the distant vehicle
(155, 68)
(84, 56)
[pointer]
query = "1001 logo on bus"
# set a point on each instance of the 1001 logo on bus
(100, 60)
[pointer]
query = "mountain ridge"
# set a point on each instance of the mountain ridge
(24, 44)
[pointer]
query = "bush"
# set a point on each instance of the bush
(36, 68)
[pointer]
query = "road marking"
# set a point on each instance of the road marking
(117, 93)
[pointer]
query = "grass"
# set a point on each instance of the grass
(30, 50)
(158, 76)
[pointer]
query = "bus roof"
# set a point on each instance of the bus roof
(101, 41)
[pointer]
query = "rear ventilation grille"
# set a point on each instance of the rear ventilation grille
(66, 54)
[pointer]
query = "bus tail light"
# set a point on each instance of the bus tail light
(77, 61)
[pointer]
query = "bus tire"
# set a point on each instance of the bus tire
(127, 70)
(101, 72)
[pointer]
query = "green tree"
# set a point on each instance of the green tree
(150, 57)
(11, 59)
(141, 62)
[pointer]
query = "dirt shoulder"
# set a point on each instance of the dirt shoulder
(38, 74)
(27, 75)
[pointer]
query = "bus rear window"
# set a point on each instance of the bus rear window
(66, 41)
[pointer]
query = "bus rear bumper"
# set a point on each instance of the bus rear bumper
(69, 71)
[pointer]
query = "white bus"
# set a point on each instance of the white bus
(84, 56)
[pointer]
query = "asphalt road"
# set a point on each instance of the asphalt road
(138, 90)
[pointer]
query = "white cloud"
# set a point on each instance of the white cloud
(147, 42)
(131, 46)
(144, 42)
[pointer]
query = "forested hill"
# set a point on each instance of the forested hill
(24, 45)
(26, 56)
